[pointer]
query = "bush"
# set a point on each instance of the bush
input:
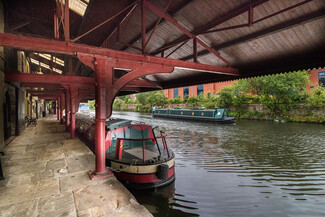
(154, 98)
(117, 105)
(143, 108)
(225, 98)
(316, 98)
(91, 104)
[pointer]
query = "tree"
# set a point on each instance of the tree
(91, 104)
(125, 99)
(280, 92)
(316, 97)
(225, 97)
(153, 98)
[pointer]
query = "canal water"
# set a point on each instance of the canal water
(253, 168)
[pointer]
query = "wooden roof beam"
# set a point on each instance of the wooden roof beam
(171, 13)
(268, 31)
(219, 20)
(101, 24)
(117, 27)
(184, 30)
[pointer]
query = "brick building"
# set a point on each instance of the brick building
(316, 77)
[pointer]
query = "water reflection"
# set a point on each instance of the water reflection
(164, 202)
(254, 168)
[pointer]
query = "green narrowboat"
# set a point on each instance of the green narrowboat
(219, 115)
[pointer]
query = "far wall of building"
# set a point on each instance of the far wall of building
(316, 78)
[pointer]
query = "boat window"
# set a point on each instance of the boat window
(321, 79)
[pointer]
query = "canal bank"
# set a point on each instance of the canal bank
(253, 111)
(46, 174)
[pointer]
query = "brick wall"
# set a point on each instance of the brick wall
(192, 91)
(313, 78)
(181, 92)
(207, 88)
(219, 86)
(213, 88)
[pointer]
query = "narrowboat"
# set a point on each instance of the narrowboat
(200, 114)
(137, 156)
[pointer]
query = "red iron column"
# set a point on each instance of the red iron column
(55, 106)
(103, 81)
(61, 107)
(58, 108)
(105, 94)
(73, 89)
(67, 110)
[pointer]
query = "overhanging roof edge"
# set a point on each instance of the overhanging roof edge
(46, 45)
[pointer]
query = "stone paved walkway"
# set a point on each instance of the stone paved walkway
(35, 187)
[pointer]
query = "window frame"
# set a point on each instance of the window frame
(321, 79)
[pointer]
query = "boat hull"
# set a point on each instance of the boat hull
(146, 185)
(228, 120)
(142, 176)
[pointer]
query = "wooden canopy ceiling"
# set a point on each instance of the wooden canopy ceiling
(257, 37)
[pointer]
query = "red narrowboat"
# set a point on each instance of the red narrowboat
(135, 154)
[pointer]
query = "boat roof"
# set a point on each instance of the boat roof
(111, 123)
(192, 109)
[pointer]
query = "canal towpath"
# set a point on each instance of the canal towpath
(46, 174)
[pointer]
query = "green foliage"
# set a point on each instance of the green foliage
(316, 98)
(192, 100)
(143, 108)
(225, 98)
(126, 99)
(185, 98)
(176, 100)
(91, 104)
(154, 98)
(117, 105)
(279, 93)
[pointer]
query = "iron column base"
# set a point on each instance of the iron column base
(96, 176)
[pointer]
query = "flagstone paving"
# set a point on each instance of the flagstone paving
(33, 185)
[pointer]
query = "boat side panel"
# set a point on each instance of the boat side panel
(194, 118)
(142, 178)
(140, 169)
(192, 113)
